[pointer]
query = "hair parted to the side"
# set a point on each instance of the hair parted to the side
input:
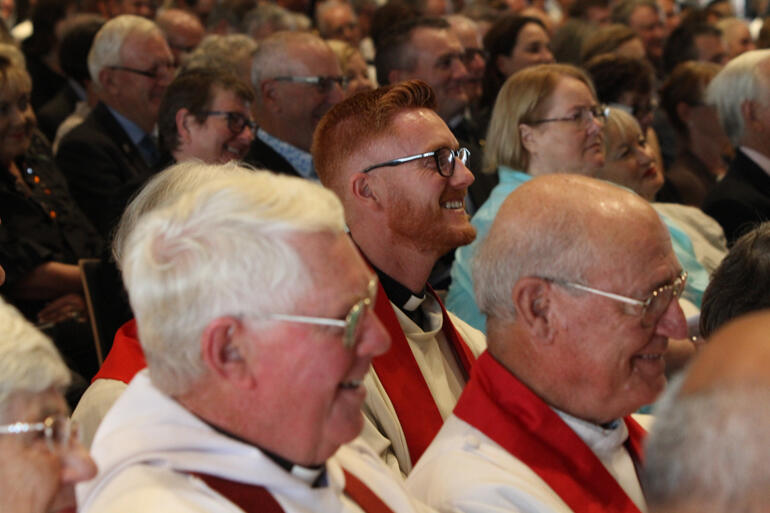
(741, 283)
(228, 248)
(29, 362)
(739, 81)
(13, 70)
(356, 121)
(522, 99)
(686, 84)
(108, 42)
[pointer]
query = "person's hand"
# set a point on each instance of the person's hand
(67, 307)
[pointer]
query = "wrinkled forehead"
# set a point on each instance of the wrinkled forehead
(26, 406)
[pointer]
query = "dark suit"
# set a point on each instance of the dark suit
(263, 156)
(56, 110)
(102, 166)
(741, 200)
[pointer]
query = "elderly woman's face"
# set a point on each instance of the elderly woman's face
(16, 118)
(36, 476)
(566, 137)
(631, 163)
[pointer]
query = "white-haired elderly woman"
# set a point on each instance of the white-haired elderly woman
(41, 458)
(697, 239)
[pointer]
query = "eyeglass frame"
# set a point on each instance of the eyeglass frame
(149, 73)
(47, 426)
(352, 320)
(644, 303)
(316, 81)
(230, 115)
(583, 116)
(462, 153)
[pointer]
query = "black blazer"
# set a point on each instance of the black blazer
(102, 166)
(56, 110)
(741, 200)
(263, 156)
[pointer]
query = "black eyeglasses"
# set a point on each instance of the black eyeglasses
(582, 116)
(470, 54)
(236, 121)
(444, 158)
(323, 84)
(650, 308)
(156, 72)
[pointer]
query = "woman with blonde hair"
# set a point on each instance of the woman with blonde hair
(546, 120)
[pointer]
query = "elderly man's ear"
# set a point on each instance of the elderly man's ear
(223, 354)
(531, 298)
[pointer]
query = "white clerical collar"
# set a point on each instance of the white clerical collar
(601, 439)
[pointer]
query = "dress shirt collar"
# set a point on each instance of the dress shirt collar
(299, 159)
(135, 133)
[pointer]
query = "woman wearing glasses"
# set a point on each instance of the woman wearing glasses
(42, 458)
(546, 120)
(697, 239)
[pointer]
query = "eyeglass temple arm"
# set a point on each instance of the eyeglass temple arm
(21, 427)
(610, 295)
(309, 320)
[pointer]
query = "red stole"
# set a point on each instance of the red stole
(403, 381)
(503, 408)
(125, 358)
(256, 499)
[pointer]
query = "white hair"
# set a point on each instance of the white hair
(29, 362)
(227, 248)
(108, 42)
(739, 81)
(708, 451)
(552, 242)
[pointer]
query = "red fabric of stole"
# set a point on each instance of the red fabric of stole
(503, 408)
(125, 358)
(257, 499)
(403, 381)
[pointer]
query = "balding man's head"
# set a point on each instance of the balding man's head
(710, 444)
(577, 278)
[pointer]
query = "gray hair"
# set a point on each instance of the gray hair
(232, 52)
(740, 80)
(108, 42)
(229, 248)
(694, 458)
(267, 18)
(29, 362)
(550, 241)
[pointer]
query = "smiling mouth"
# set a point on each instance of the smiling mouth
(453, 205)
(351, 385)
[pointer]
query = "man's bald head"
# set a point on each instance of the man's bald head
(559, 226)
(709, 447)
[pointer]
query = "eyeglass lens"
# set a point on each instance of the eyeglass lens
(661, 299)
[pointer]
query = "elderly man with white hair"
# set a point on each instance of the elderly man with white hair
(579, 283)
(254, 314)
(42, 458)
(109, 156)
(709, 448)
(741, 94)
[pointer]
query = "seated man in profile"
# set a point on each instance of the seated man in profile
(580, 299)
(254, 314)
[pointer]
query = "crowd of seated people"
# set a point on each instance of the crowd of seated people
(379, 255)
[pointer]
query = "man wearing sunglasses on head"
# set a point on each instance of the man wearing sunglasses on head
(42, 458)
(580, 287)
(113, 152)
(297, 79)
(402, 178)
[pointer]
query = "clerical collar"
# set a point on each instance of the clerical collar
(398, 294)
(313, 476)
